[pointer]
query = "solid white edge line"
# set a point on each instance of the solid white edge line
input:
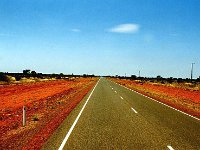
(77, 118)
(134, 110)
(161, 103)
(170, 148)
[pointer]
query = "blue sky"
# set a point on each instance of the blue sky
(103, 37)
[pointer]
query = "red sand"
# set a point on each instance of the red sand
(50, 102)
(16, 95)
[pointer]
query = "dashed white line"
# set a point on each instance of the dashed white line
(121, 97)
(134, 110)
(162, 103)
(170, 148)
(115, 91)
(72, 127)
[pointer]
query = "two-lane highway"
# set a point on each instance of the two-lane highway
(114, 117)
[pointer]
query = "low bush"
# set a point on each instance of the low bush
(3, 77)
(6, 78)
(35, 118)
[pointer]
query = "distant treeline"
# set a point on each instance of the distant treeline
(157, 79)
(28, 74)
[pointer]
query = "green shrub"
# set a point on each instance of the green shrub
(18, 78)
(35, 118)
(3, 77)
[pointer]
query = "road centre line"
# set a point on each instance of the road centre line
(134, 110)
(77, 118)
(121, 97)
(170, 148)
(161, 103)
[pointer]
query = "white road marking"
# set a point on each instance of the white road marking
(115, 91)
(72, 127)
(134, 110)
(112, 88)
(121, 97)
(162, 103)
(170, 148)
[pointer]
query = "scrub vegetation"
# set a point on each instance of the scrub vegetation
(48, 102)
(184, 95)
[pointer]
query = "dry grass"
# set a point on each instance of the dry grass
(12, 80)
(184, 85)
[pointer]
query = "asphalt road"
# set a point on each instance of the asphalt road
(113, 117)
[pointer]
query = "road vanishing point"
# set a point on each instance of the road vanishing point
(114, 117)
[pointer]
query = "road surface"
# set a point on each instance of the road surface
(114, 117)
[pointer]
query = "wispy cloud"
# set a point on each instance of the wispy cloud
(75, 30)
(125, 28)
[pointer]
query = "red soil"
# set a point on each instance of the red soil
(49, 102)
(180, 98)
(18, 95)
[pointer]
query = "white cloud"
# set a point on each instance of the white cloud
(125, 28)
(75, 30)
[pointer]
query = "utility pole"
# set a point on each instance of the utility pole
(192, 71)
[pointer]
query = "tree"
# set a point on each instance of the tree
(27, 71)
(198, 79)
(33, 72)
(3, 77)
(170, 80)
(133, 77)
(159, 77)
(179, 80)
